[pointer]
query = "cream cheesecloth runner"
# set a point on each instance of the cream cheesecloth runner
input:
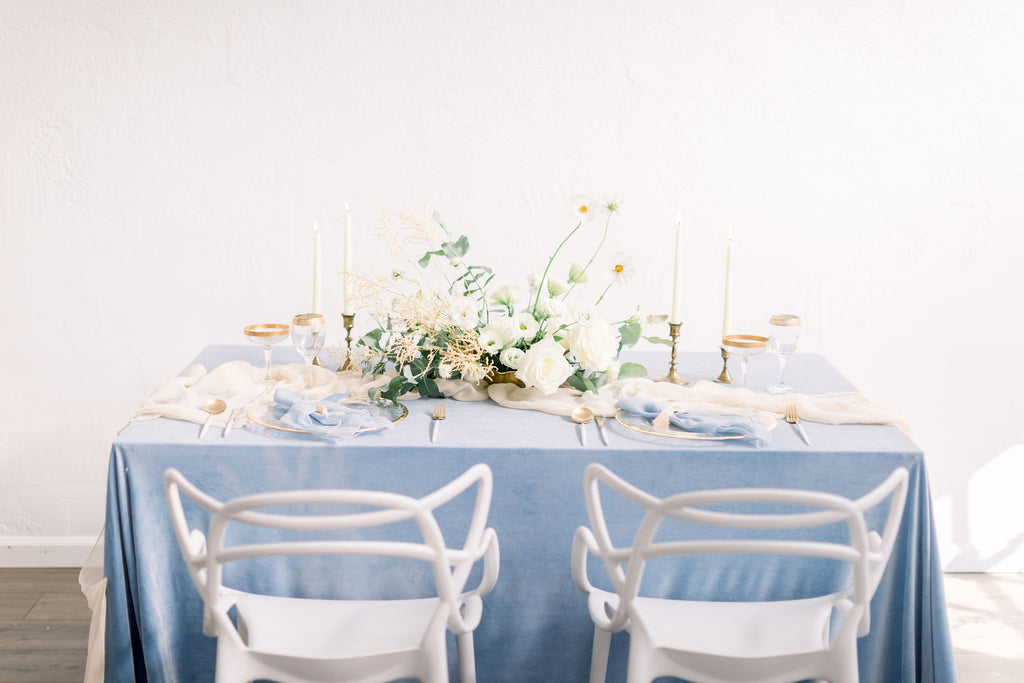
(242, 387)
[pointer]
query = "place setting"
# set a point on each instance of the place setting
(441, 329)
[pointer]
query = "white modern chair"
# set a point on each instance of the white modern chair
(297, 640)
(734, 642)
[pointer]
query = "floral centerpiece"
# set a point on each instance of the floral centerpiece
(440, 318)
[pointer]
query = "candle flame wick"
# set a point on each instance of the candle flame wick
(346, 207)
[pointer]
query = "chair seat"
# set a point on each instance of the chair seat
(741, 630)
(335, 629)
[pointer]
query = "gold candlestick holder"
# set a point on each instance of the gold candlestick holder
(348, 321)
(724, 377)
(672, 376)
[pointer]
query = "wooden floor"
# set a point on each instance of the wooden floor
(44, 626)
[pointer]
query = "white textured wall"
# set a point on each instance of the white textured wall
(161, 164)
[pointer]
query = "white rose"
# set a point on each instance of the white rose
(525, 325)
(511, 357)
(594, 347)
(544, 366)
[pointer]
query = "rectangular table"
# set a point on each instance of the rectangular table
(535, 624)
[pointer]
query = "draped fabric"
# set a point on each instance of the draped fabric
(535, 624)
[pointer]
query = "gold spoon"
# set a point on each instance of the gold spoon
(214, 406)
(582, 415)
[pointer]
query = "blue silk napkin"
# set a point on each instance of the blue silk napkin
(700, 423)
(328, 418)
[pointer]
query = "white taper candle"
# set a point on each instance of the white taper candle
(677, 277)
(317, 302)
(346, 276)
(727, 308)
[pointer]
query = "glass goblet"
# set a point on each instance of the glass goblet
(784, 332)
(308, 337)
(744, 346)
(265, 335)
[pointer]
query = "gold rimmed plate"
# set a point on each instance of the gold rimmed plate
(263, 415)
(638, 423)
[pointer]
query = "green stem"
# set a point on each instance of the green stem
(603, 293)
(544, 277)
(604, 236)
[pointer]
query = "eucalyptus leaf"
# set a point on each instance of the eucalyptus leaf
(659, 340)
(576, 381)
(629, 333)
(428, 388)
(627, 370)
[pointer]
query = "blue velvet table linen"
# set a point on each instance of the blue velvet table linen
(535, 625)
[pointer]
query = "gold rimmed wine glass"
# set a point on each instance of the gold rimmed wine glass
(308, 331)
(265, 335)
(744, 346)
(784, 333)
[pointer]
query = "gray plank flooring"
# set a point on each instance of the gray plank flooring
(44, 626)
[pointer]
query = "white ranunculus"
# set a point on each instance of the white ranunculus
(506, 295)
(504, 329)
(473, 372)
(511, 357)
(612, 371)
(525, 325)
(464, 313)
(544, 366)
(490, 341)
(594, 347)
(587, 316)
(556, 287)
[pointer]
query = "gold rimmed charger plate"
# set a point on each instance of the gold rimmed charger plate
(263, 416)
(641, 424)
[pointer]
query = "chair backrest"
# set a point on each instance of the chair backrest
(867, 552)
(206, 555)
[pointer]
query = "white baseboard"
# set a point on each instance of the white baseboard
(45, 551)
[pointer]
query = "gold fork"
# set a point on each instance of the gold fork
(793, 418)
(437, 417)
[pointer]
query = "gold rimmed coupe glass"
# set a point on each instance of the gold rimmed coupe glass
(744, 346)
(308, 330)
(784, 331)
(266, 335)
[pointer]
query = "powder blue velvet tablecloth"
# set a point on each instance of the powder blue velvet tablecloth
(535, 625)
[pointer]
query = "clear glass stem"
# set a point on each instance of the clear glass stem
(309, 372)
(743, 370)
(782, 371)
(266, 357)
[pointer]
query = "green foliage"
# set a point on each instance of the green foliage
(627, 370)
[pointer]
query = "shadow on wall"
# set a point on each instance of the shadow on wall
(986, 517)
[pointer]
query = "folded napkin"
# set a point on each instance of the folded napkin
(691, 421)
(327, 418)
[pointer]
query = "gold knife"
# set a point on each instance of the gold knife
(600, 428)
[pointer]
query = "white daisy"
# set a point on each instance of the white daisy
(584, 208)
(621, 268)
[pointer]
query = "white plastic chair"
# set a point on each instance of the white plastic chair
(734, 642)
(298, 640)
